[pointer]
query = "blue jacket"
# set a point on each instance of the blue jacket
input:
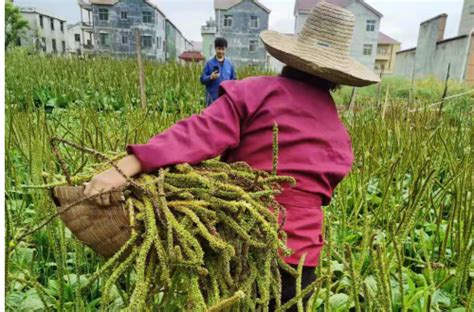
(226, 71)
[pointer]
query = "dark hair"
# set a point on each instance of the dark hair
(296, 74)
(220, 43)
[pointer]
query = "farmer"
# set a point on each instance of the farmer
(217, 70)
(314, 146)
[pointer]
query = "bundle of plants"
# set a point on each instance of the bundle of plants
(206, 237)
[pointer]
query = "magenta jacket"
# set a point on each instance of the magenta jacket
(314, 147)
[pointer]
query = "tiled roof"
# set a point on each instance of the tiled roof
(384, 39)
(307, 5)
(191, 56)
(227, 4)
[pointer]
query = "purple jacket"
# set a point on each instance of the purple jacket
(314, 146)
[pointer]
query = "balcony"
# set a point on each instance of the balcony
(87, 26)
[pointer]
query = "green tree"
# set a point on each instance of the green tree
(15, 24)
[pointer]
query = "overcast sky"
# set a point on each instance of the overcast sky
(401, 17)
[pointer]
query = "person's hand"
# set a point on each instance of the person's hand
(103, 182)
(111, 179)
(215, 75)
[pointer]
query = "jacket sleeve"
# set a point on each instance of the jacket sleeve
(233, 75)
(194, 139)
(206, 75)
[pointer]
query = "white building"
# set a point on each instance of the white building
(74, 38)
(46, 32)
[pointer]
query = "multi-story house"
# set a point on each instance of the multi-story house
(46, 32)
(109, 26)
(366, 30)
(240, 23)
(387, 49)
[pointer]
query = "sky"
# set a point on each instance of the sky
(401, 17)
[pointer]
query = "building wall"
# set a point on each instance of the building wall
(469, 75)
(208, 45)
(405, 64)
(467, 18)
(170, 41)
(42, 37)
(117, 28)
(300, 20)
(429, 34)
(239, 35)
(360, 36)
(74, 46)
(449, 52)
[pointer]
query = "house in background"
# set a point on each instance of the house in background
(109, 26)
(208, 33)
(366, 31)
(240, 23)
(387, 49)
(434, 54)
(74, 36)
(47, 32)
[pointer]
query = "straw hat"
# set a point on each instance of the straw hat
(322, 48)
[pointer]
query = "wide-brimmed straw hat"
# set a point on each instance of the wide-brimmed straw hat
(322, 48)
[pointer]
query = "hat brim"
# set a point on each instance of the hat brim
(315, 60)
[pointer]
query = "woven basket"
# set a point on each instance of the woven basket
(104, 229)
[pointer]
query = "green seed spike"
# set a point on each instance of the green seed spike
(226, 303)
(121, 268)
(299, 283)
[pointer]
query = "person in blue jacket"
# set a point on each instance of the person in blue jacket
(217, 69)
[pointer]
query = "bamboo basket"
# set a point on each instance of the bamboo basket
(104, 229)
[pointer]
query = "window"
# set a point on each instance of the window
(52, 23)
(104, 39)
(123, 15)
(41, 21)
(61, 26)
(254, 22)
(43, 43)
(158, 43)
(227, 20)
(77, 37)
(124, 40)
(103, 14)
(146, 42)
(253, 45)
(370, 25)
(146, 17)
(54, 46)
(367, 49)
(64, 46)
(382, 50)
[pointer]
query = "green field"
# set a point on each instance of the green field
(399, 230)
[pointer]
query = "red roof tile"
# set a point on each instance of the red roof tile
(191, 56)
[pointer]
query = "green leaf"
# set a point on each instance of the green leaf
(32, 302)
(339, 301)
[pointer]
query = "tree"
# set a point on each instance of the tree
(15, 24)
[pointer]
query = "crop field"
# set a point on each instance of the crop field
(399, 230)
